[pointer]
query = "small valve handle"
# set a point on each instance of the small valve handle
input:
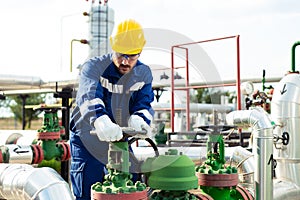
(285, 138)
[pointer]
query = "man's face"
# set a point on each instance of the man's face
(125, 62)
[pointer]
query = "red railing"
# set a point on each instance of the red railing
(187, 83)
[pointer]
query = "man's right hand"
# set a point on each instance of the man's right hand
(106, 130)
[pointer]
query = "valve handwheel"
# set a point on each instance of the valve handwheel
(216, 129)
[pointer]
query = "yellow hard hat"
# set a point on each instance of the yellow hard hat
(129, 38)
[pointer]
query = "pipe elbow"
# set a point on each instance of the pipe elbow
(21, 181)
(256, 118)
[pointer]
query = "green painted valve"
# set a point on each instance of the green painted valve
(172, 172)
(172, 195)
(118, 180)
(215, 151)
(49, 137)
(51, 122)
(161, 136)
(214, 177)
(172, 175)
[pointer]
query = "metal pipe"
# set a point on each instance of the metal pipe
(66, 95)
(243, 160)
(183, 46)
(238, 76)
(195, 108)
(23, 97)
(82, 41)
(187, 83)
(285, 112)
(286, 190)
(262, 132)
(293, 55)
(18, 80)
(19, 154)
(203, 41)
(172, 90)
(20, 181)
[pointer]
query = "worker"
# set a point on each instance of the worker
(115, 90)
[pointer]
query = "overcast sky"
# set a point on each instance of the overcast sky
(36, 34)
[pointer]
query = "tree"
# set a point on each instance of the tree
(15, 103)
(211, 96)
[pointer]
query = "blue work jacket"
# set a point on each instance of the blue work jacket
(104, 91)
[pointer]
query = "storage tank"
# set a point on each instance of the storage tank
(101, 23)
(285, 111)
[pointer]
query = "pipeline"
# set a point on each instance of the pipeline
(293, 55)
(285, 107)
(284, 189)
(244, 162)
(262, 131)
(21, 181)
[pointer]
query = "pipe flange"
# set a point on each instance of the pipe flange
(244, 192)
(1, 157)
(38, 154)
(62, 132)
(66, 151)
(141, 195)
(217, 180)
(204, 197)
(48, 135)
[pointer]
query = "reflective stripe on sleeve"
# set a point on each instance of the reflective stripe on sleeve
(84, 107)
(137, 86)
(113, 88)
(118, 89)
(146, 113)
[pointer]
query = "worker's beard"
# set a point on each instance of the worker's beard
(123, 69)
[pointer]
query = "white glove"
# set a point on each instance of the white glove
(139, 124)
(106, 130)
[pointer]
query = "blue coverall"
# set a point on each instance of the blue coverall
(104, 91)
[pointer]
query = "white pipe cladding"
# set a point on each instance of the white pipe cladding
(24, 182)
(285, 111)
(262, 129)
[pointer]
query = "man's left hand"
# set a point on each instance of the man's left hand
(139, 124)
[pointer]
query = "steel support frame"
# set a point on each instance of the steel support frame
(187, 84)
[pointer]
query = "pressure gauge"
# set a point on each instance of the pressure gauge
(247, 88)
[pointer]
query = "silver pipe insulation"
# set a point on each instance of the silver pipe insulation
(196, 108)
(285, 112)
(21, 181)
(244, 162)
(16, 136)
(284, 189)
(262, 131)
(19, 154)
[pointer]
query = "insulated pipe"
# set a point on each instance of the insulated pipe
(19, 154)
(21, 181)
(262, 131)
(244, 162)
(284, 189)
(25, 154)
(16, 136)
(285, 112)
(196, 108)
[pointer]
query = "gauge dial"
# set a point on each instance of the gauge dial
(247, 88)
